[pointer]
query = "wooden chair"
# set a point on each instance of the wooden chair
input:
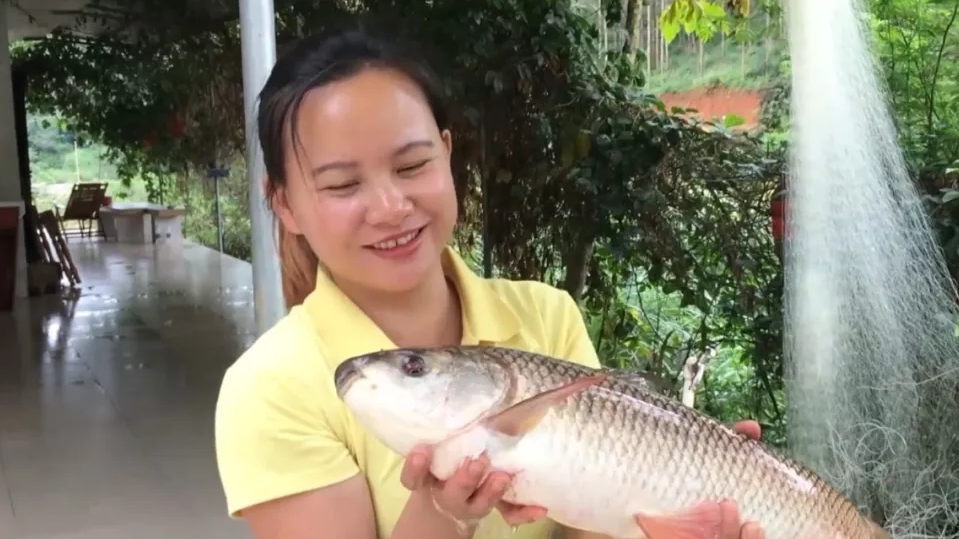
(83, 206)
(55, 247)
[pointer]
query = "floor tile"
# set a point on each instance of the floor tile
(107, 396)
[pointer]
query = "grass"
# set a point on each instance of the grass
(728, 67)
(56, 163)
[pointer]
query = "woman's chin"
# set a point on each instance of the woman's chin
(397, 276)
(401, 281)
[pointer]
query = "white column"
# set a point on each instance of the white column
(9, 164)
(258, 42)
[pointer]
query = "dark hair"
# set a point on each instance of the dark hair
(313, 62)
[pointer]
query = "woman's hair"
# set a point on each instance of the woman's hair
(313, 62)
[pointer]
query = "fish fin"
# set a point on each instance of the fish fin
(645, 380)
(704, 521)
(523, 416)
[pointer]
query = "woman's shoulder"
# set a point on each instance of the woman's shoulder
(534, 297)
(283, 351)
(550, 318)
(284, 368)
(280, 428)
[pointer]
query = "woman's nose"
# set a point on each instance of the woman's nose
(389, 205)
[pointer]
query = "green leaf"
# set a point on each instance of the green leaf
(711, 9)
(669, 29)
(732, 120)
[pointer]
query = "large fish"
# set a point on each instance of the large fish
(600, 452)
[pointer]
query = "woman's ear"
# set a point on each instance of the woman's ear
(279, 204)
(447, 141)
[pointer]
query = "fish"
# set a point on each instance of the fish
(599, 451)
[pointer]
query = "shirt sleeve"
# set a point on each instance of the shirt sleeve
(273, 440)
(576, 345)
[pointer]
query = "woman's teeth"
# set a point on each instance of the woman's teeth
(392, 244)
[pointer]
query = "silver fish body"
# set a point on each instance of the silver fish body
(595, 458)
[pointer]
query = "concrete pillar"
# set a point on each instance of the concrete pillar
(258, 41)
(9, 161)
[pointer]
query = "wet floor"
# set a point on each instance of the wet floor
(106, 398)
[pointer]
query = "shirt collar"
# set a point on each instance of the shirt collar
(346, 331)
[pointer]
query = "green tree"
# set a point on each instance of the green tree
(567, 171)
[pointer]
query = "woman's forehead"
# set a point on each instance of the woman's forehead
(374, 112)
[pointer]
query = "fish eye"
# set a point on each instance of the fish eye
(414, 365)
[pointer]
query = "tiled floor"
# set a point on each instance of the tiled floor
(106, 400)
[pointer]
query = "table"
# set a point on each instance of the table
(142, 222)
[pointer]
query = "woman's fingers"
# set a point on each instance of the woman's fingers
(751, 530)
(515, 515)
(458, 490)
(730, 520)
(416, 468)
(489, 492)
(471, 493)
(748, 428)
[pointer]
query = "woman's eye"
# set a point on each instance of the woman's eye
(341, 186)
(412, 169)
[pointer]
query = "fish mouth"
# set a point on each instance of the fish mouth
(347, 373)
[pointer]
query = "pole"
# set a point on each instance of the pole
(216, 210)
(258, 42)
(217, 174)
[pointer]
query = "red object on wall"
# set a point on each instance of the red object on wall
(777, 211)
(9, 232)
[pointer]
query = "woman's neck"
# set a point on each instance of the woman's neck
(429, 315)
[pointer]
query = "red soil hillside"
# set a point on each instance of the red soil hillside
(714, 103)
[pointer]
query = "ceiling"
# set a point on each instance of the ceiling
(36, 18)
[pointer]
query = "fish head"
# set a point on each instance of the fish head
(406, 397)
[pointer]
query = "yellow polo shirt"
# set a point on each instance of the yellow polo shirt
(282, 430)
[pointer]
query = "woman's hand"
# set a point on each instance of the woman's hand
(470, 494)
(747, 428)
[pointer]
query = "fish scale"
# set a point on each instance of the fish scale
(596, 458)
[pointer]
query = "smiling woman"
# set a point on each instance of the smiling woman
(357, 150)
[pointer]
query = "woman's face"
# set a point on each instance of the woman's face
(369, 184)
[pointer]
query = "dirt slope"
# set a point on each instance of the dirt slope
(714, 103)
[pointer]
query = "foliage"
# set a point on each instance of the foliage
(566, 170)
(195, 193)
(705, 18)
(918, 44)
(698, 17)
(59, 156)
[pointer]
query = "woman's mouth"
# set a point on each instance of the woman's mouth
(399, 246)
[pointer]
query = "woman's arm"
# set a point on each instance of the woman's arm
(344, 511)
(289, 476)
(284, 469)
(421, 519)
(341, 511)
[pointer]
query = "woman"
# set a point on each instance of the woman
(357, 152)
